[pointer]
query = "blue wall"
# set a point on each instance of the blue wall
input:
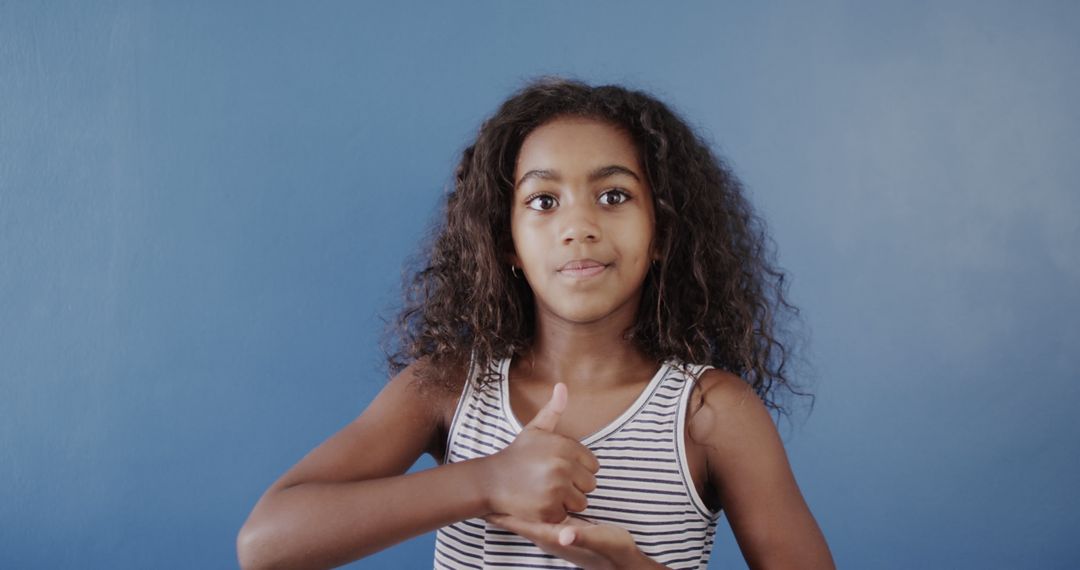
(204, 209)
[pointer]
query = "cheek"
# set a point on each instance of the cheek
(527, 245)
(643, 240)
(518, 241)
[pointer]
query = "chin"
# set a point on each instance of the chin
(583, 315)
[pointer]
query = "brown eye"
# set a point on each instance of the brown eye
(614, 197)
(541, 202)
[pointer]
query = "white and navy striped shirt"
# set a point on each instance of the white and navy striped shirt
(643, 485)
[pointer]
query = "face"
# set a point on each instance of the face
(582, 220)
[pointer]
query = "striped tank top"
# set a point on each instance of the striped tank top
(643, 485)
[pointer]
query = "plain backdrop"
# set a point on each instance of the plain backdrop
(205, 208)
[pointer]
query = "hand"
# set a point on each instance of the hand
(541, 475)
(588, 545)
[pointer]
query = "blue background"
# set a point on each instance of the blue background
(205, 208)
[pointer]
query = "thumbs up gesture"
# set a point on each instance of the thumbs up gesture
(541, 475)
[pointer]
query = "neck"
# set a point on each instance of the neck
(584, 355)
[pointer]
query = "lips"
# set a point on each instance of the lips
(581, 264)
(582, 268)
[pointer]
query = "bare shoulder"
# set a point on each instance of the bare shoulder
(749, 471)
(721, 405)
(722, 386)
(402, 422)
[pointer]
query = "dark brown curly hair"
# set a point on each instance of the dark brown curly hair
(714, 298)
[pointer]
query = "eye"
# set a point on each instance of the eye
(614, 197)
(541, 202)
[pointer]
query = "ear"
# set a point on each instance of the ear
(659, 239)
(513, 259)
(654, 251)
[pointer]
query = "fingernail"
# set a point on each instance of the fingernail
(566, 538)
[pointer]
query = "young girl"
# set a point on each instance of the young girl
(590, 354)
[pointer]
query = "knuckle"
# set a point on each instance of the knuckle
(560, 467)
(594, 463)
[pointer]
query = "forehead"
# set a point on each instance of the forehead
(575, 145)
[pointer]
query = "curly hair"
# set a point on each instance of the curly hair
(715, 296)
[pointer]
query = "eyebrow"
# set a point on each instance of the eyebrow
(597, 174)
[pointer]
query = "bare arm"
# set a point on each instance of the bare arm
(348, 498)
(752, 476)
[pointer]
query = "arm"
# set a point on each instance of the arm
(750, 473)
(348, 498)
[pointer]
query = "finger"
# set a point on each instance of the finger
(553, 514)
(583, 479)
(549, 415)
(589, 460)
(567, 535)
(575, 501)
(607, 539)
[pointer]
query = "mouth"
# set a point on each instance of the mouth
(583, 268)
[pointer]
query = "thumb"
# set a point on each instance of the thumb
(549, 415)
(604, 539)
(567, 535)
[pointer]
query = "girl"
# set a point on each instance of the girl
(589, 352)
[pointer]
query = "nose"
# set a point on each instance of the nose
(580, 225)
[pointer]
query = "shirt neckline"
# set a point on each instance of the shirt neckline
(515, 424)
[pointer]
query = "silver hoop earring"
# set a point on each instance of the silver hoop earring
(514, 270)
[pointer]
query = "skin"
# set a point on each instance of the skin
(580, 193)
(569, 172)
